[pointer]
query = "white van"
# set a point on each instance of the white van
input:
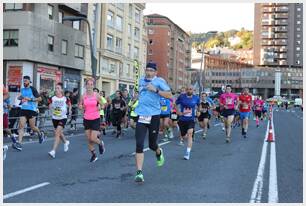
(298, 102)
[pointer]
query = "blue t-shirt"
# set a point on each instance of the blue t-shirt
(28, 92)
(187, 106)
(165, 106)
(149, 102)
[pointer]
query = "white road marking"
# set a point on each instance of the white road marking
(273, 188)
(258, 183)
(25, 190)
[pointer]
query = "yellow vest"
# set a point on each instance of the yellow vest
(133, 113)
(104, 102)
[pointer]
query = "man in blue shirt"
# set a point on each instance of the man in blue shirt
(29, 98)
(151, 88)
(187, 111)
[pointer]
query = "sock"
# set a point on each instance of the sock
(93, 152)
(188, 149)
(139, 171)
(243, 131)
(13, 139)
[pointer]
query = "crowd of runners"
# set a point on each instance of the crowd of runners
(153, 108)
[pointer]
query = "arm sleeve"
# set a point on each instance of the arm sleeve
(35, 92)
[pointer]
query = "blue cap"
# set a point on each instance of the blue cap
(151, 65)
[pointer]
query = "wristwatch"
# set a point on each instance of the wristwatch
(157, 90)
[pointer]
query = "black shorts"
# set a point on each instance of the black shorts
(29, 114)
(258, 113)
(185, 126)
(203, 116)
(59, 122)
(163, 116)
(217, 109)
(91, 124)
(228, 112)
(117, 118)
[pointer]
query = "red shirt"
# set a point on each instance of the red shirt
(245, 105)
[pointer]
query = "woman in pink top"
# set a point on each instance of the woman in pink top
(228, 101)
(90, 103)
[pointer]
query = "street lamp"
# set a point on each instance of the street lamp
(93, 58)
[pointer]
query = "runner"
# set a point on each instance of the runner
(187, 112)
(102, 112)
(118, 111)
(165, 105)
(228, 101)
(89, 102)
(132, 105)
(74, 109)
(258, 103)
(126, 98)
(151, 88)
(244, 104)
(204, 114)
(29, 98)
(59, 104)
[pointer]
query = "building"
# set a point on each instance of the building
(278, 34)
(39, 44)
(219, 71)
(170, 47)
(120, 37)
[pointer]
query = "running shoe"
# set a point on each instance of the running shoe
(171, 136)
(228, 140)
(17, 146)
(93, 158)
(160, 158)
(41, 137)
(66, 146)
(187, 156)
(181, 143)
(52, 154)
(204, 135)
(118, 135)
(5, 149)
(139, 176)
(104, 133)
(101, 147)
(223, 128)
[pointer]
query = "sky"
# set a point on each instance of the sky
(204, 17)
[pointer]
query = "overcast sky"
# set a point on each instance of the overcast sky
(204, 17)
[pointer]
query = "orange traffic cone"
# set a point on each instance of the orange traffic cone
(270, 135)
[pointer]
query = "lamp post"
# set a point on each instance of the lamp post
(93, 58)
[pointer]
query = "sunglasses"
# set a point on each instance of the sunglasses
(150, 70)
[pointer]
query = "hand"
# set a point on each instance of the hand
(225, 107)
(80, 106)
(151, 88)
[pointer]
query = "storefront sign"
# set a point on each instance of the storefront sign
(14, 78)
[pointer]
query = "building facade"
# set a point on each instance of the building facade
(170, 47)
(278, 34)
(39, 44)
(120, 38)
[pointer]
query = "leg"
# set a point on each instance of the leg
(153, 134)
(140, 133)
(205, 123)
(229, 122)
(32, 125)
(22, 122)
(57, 138)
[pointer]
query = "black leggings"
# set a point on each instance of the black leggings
(141, 131)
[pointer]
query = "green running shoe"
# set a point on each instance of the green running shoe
(160, 159)
(139, 176)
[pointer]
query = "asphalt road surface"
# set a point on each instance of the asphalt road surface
(247, 170)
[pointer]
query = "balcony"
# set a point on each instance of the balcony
(283, 56)
(282, 9)
(283, 62)
(283, 49)
(281, 16)
(281, 42)
(281, 29)
(281, 36)
(281, 22)
(268, 9)
(267, 43)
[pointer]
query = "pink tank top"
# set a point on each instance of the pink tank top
(91, 107)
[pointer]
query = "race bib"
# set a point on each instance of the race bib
(173, 116)
(164, 108)
(117, 106)
(187, 112)
(229, 101)
(57, 112)
(204, 110)
(245, 106)
(145, 119)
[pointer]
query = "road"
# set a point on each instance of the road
(216, 173)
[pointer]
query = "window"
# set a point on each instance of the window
(76, 25)
(79, 51)
(60, 17)
(120, 6)
(13, 6)
(10, 38)
(129, 50)
(50, 12)
(137, 15)
(118, 45)
(128, 69)
(151, 42)
(151, 31)
(110, 18)
(298, 28)
(130, 10)
(136, 52)
(298, 22)
(50, 43)
(130, 30)
(109, 42)
(298, 35)
(64, 47)
(298, 48)
(150, 52)
(136, 33)
(119, 24)
(298, 42)
(298, 9)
